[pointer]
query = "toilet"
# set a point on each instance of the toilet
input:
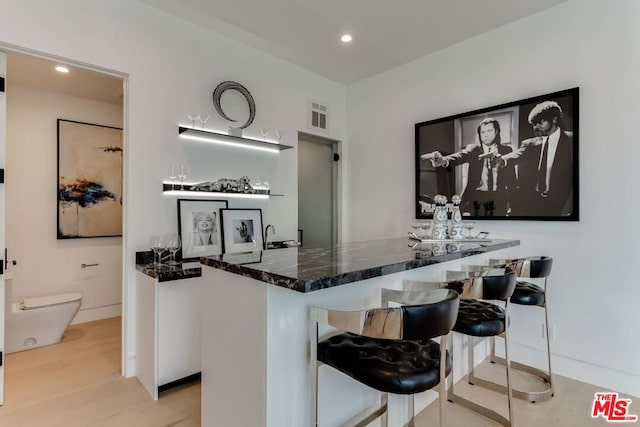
(40, 321)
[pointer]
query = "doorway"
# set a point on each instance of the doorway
(318, 189)
(39, 264)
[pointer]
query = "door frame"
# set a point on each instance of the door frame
(125, 168)
(3, 157)
(337, 172)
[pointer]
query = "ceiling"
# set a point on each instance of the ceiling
(31, 71)
(386, 33)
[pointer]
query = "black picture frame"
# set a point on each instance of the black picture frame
(242, 230)
(188, 209)
(518, 183)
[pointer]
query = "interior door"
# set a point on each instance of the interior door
(316, 192)
(3, 145)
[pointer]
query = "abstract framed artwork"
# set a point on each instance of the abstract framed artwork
(242, 230)
(89, 180)
(199, 227)
(515, 161)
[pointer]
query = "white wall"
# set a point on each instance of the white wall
(587, 43)
(173, 67)
(46, 265)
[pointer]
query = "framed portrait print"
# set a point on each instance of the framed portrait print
(199, 227)
(512, 161)
(242, 230)
(89, 180)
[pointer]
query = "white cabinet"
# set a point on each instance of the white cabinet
(168, 332)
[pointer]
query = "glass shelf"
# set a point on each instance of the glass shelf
(221, 138)
(174, 189)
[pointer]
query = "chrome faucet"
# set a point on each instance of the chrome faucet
(266, 233)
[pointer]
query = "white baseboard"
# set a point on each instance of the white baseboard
(607, 378)
(98, 313)
(600, 376)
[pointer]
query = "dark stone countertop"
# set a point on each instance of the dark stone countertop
(311, 269)
(166, 273)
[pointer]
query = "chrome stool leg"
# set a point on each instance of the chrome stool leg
(471, 379)
(547, 377)
(532, 267)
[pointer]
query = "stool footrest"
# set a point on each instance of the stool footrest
(531, 396)
(493, 415)
(361, 420)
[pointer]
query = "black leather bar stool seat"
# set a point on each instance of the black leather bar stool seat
(390, 349)
(392, 366)
(479, 319)
(528, 294)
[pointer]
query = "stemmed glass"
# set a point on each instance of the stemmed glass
(173, 246)
(193, 117)
(468, 225)
(264, 132)
(182, 175)
(173, 175)
(203, 118)
(425, 226)
(279, 134)
(257, 184)
(416, 226)
(158, 246)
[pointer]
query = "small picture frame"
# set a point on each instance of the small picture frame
(242, 230)
(199, 227)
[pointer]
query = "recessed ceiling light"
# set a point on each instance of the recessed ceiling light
(62, 69)
(346, 38)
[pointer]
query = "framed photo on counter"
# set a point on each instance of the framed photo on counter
(242, 230)
(199, 227)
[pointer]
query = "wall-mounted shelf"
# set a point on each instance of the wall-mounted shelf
(221, 138)
(174, 189)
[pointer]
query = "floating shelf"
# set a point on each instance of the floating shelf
(175, 189)
(221, 138)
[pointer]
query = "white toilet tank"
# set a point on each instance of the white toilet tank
(40, 321)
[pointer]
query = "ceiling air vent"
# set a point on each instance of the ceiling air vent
(318, 115)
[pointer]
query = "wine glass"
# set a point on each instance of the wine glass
(416, 226)
(264, 132)
(425, 226)
(279, 134)
(173, 174)
(468, 225)
(193, 117)
(257, 184)
(203, 119)
(182, 175)
(173, 246)
(158, 246)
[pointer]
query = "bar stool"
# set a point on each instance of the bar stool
(389, 349)
(479, 318)
(525, 293)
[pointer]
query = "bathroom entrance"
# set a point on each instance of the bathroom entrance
(40, 264)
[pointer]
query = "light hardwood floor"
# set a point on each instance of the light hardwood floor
(77, 383)
(570, 407)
